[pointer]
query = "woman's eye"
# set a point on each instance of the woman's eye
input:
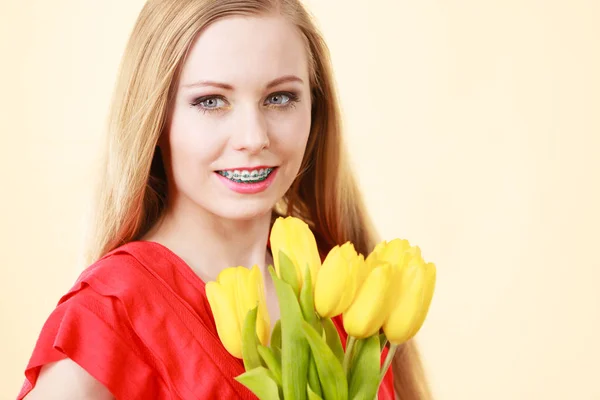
(279, 101)
(211, 103)
(280, 98)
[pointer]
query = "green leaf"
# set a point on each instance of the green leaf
(294, 347)
(250, 341)
(287, 269)
(331, 374)
(353, 356)
(333, 339)
(260, 382)
(312, 395)
(276, 335)
(277, 354)
(313, 377)
(272, 363)
(307, 301)
(364, 377)
(382, 341)
(276, 340)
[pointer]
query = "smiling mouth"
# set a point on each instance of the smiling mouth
(247, 176)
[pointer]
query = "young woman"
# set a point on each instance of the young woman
(225, 116)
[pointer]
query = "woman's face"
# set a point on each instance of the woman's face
(240, 119)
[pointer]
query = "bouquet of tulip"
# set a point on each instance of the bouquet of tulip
(383, 300)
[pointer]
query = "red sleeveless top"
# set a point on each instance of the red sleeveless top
(139, 322)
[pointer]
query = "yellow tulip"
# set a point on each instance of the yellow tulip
(392, 252)
(237, 291)
(293, 237)
(372, 303)
(337, 280)
(415, 286)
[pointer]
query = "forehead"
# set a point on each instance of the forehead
(246, 51)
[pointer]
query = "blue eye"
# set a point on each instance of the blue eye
(208, 104)
(282, 101)
(279, 101)
(211, 103)
(280, 98)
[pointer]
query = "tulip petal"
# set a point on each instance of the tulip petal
(429, 283)
(406, 309)
(349, 293)
(363, 270)
(257, 290)
(331, 283)
(241, 293)
(224, 312)
(227, 277)
(394, 251)
(307, 251)
(283, 239)
(294, 237)
(376, 251)
(372, 305)
(276, 239)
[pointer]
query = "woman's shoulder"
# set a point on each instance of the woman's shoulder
(124, 272)
(136, 320)
(93, 326)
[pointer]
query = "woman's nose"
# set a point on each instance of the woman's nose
(251, 131)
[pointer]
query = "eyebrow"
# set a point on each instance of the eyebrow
(274, 82)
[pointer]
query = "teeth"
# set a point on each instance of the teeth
(247, 175)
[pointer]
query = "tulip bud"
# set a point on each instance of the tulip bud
(337, 280)
(293, 237)
(392, 252)
(237, 291)
(372, 303)
(416, 283)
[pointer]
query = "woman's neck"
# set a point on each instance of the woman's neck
(209, 244)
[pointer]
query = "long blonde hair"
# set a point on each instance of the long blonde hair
(131, 194)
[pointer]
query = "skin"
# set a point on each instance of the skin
(254, 119)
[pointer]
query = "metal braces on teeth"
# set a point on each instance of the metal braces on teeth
(250, 177)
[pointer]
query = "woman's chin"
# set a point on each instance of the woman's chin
(246, 211)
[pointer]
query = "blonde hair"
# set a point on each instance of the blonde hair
(131, 195)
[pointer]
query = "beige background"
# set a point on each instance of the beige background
(475, 130)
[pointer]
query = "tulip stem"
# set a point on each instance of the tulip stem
(348, 354)
(388, 360)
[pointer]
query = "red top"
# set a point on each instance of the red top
(139, 322)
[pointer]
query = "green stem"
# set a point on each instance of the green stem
(348, 354)
(383, 344)
(388, 361)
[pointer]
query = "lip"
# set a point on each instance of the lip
(248, 188)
